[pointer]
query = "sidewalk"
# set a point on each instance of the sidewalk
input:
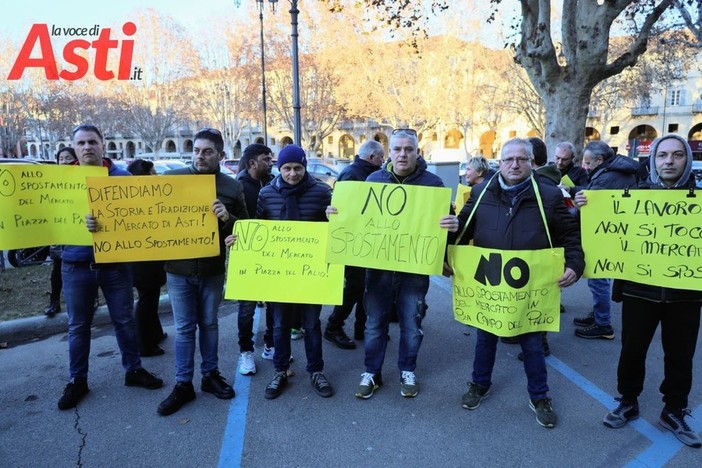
(22, 330)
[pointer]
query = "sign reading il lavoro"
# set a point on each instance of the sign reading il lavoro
(650, 236)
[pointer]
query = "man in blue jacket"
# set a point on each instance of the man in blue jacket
(407, 290)
(81, 279)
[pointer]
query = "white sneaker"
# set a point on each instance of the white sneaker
(297, 333)
(247, 366)
(268, 352)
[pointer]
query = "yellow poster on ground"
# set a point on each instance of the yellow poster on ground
(388, 226)
(462, 195)
(153, 217)
(648, 236)
(44, 205)
(507, 292)
(283, 261)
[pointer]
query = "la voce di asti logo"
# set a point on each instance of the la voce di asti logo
(103, 45)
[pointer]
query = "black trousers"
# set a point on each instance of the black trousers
(354, 287)
(148, 323)
(56, 281)
(680, 324)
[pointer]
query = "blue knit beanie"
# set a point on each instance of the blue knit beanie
(291, 154)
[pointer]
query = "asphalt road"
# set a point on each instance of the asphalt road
(117, 426)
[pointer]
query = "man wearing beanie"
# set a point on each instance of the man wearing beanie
(294, 195)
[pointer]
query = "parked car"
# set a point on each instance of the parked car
(697, 170)
(18, 161)
(166, 165)
(323, 173)
(231, 164)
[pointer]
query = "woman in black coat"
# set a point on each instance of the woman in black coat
(148, 279)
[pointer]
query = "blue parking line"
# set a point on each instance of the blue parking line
(664, 444)
(233, 440)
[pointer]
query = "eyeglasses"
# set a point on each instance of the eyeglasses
(520, 160)
(408, 131)
(678, 156)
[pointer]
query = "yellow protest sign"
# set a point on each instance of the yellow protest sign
(44, 205)
(565, 180)
(650, 236)
(388, 226)
(507, 292)
(153, 217)
(283, 261)
(462, 195)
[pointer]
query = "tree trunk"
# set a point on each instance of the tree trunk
(566, 115)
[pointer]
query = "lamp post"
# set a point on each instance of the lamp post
(260, 4)
(294, 12)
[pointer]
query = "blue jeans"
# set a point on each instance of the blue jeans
(534, 362)
(601, 305)
(284, 317)
(407, 293)
(80, 288)
(245, 321)
(195, 301)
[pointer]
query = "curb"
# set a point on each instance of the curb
(27, 329)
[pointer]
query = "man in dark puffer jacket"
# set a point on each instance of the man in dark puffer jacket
(296, 196)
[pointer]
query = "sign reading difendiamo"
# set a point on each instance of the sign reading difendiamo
(85, 44)
(649, 236)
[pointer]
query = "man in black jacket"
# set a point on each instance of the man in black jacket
(195, 285)
(607, 171)
(565, 161)
(254, 174)
(369, 159)
(508, 217)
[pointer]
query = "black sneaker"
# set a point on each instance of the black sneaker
(142, 378)
(471, 400)
(182, 393)
(214, 383)
(53, 309)
(595, 331)
(339, 338)
(586, 321)
(545, 415)
(622, 414)
(675, 422)
(275, 388)
(73, 393)
(321, 385)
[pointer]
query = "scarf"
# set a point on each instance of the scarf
(291, 195)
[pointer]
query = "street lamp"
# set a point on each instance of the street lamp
(294, 12)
